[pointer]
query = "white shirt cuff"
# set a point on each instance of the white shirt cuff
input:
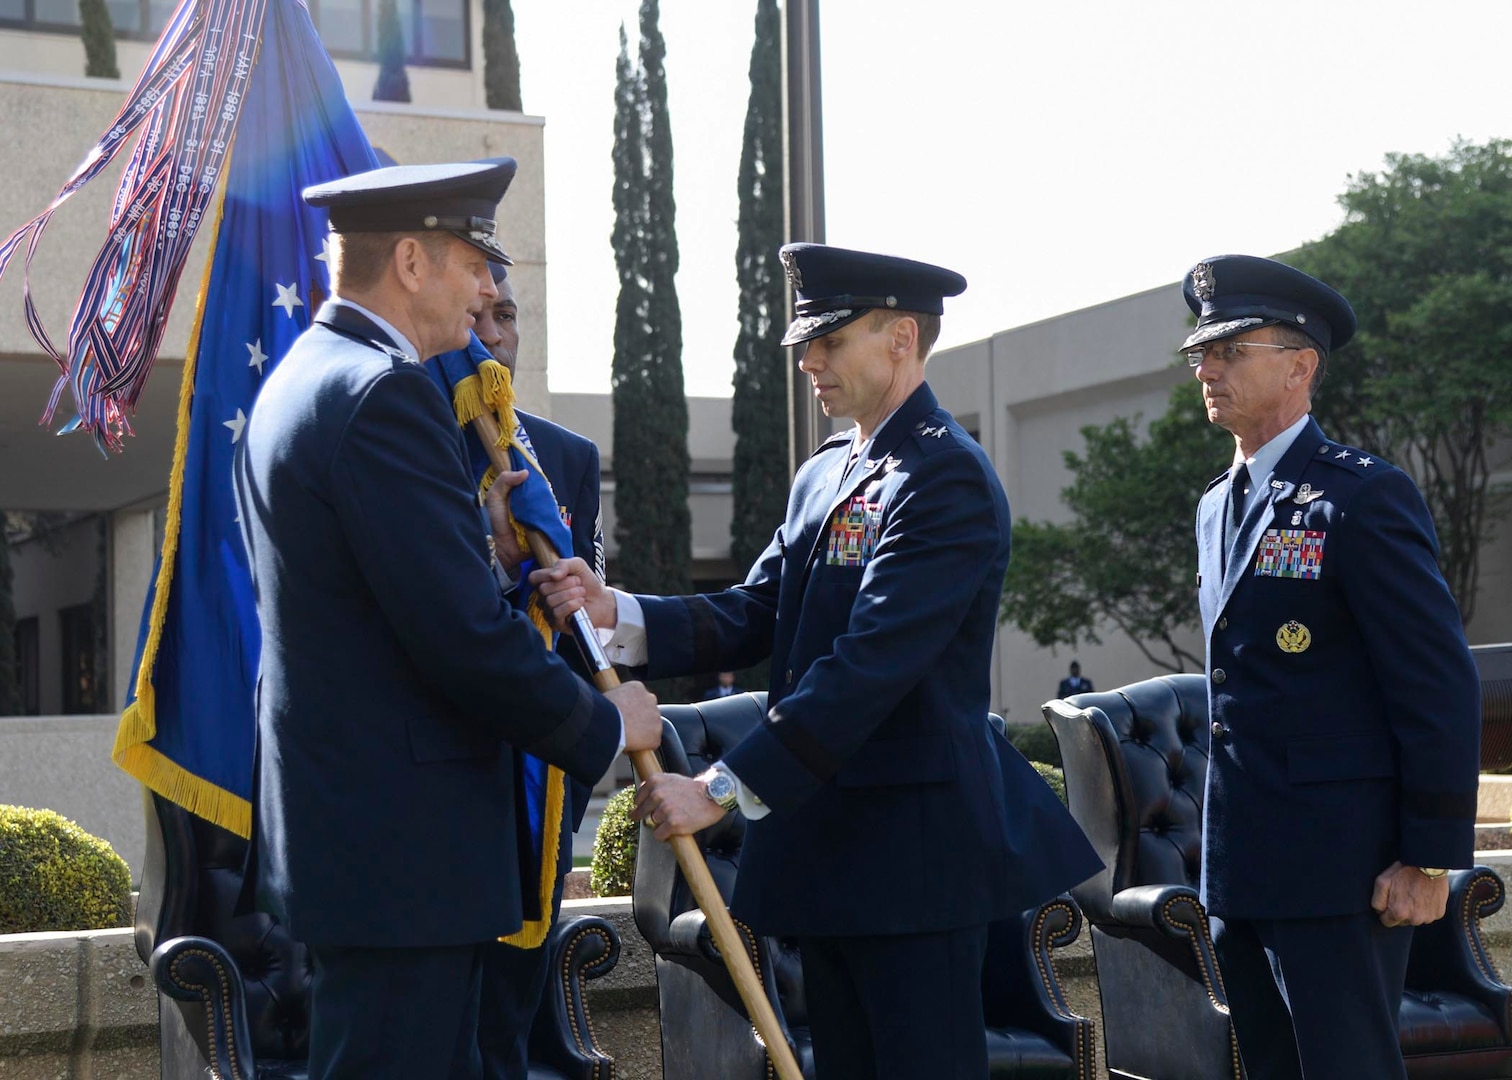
(626, 643)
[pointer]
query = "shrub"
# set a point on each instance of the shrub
(1053, 776)
(56, 876)
(613, 868)
(1036, 742)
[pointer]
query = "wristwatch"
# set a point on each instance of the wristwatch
(721, 788)
(1432, 871)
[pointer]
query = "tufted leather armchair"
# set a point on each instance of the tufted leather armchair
(1030, 1030)
(1135, 761)
(233, 990)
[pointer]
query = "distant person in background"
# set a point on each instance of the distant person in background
(1074, 683)
(725, 688)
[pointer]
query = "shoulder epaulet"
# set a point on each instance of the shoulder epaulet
(1351, 459)
(837, 439)
(1215, 481)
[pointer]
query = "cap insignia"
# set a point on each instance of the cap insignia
(1203, 284)
(790, 265)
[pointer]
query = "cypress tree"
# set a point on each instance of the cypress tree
(501, 61)
(393, 82)
(759, 409)
(652, 525)
(99, 40)
(10, 690)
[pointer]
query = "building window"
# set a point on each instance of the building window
(437, 33)
(82, 689)
(28, 666)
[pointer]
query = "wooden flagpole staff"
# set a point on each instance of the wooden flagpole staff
(691, 861)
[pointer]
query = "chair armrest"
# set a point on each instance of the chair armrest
(1451, 954)
(578, 949)
(1175, 911)
(689, 936)
(1020, 986)
(200, 975)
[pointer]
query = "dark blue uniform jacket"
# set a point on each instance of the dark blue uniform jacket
(395, 678)
(1344, 700)
(893, 810)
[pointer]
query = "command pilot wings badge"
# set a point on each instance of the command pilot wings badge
(1306, 494)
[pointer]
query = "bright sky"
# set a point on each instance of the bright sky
(1059, 154)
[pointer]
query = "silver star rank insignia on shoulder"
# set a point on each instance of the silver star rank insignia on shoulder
(1364, 462)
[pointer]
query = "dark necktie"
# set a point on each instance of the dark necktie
(1238, 490)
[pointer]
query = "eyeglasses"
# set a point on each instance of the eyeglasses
(1228, 351)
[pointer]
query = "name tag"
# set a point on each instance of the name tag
(1291, 553)
(853, 533)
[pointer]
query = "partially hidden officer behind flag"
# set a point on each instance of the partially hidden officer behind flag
(1343, 698)
(396, 680)
(890, 823)
(514, 977)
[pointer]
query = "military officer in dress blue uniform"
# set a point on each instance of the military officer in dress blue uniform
(886, 831)
(1343, 698)
(396, 679)
(514, 978)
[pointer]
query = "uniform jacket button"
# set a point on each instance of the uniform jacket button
(1223, 623)
(1219, 675)
(789, 674)
(1219, 731)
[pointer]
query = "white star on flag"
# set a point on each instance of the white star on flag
(288, 297)
(325, 251)
(236, 424)
(258, 356)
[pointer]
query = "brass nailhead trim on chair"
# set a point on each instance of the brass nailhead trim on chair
(225, 983)
(1084, 1049)
(1202, 966)
(590, 1048)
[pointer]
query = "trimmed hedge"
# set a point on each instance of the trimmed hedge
(56, 876)
(1036, 742)
(613, 868)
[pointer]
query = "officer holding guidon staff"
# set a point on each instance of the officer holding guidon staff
(877, 603)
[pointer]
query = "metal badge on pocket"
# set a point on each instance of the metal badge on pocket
(853, 533)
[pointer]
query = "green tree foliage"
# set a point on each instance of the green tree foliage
(652, 524)
(759, 409)
(1129, 556)
(1425, 257)
(10, 690)
(393, 81)
(98, 33)
(501, 61)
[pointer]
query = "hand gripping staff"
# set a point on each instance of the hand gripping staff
(689, 859)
